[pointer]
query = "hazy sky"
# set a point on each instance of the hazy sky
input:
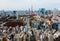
(25, 4)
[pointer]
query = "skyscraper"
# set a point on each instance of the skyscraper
(31, 11)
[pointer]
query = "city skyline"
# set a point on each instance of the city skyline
(26, 4)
